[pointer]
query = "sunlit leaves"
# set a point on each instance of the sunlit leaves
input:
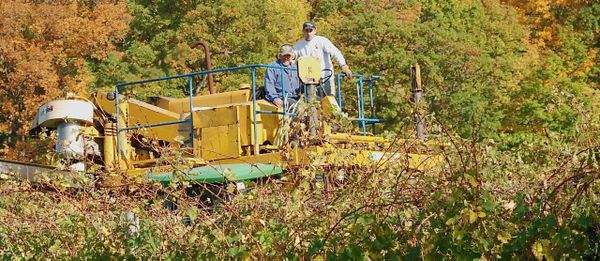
(164, 37)
(45, 48)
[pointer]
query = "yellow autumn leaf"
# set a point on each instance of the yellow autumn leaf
(504, 237)
(472, 216)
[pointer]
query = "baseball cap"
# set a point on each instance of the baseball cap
(307, 25)
(285, 49)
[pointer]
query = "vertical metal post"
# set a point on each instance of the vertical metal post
(417, 94)
(362, 105)
(370, 83)
(339, 90)
(122, 113)
(108, 153)
(358, 102)
(312, 117)
(117, 128)
(312, 92)
(371, 102)
(256, 149)
(190, 88)
(305, 91)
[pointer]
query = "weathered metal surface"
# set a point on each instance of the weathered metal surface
(23, 169)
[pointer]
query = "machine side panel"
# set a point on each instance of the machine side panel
(215, 117)
(181, 105)
(219, 130)
(141, 113)
(220, 142)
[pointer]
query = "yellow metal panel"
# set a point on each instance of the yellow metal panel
(103, 103)
(269, 122)
(266, 124)
(141, 113)
(234, 149)
(220, 142)
(245, 124)
(424, 162)
(182, 105)
(215, 117)
(309, 69)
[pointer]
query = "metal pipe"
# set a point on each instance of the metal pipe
(207, 65)
(371, 102)
(117, 125)
(122, 86)
(417, 94)
(339, 92)
(110, 132)
(371, 97)
(191, 87)
(284, 93)
(254, 114)
(366, 120)
(360, 103)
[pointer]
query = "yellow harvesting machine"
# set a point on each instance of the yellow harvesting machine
(217, 137)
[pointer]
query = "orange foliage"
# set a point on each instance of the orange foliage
(44, 50)
(35, 151)
(542, 18)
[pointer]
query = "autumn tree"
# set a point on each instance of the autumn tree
(472, 56)
(484, 76)
(45, 50)
(163, 35)
(567, 34)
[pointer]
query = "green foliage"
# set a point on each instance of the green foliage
(482, 75)
(164, 35)
(470, 55)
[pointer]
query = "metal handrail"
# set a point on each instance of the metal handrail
(360, 93)
(360, 80)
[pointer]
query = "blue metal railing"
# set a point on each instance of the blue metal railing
(253, 67)
(360, 100)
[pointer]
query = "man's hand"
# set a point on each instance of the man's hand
(278, 102)
(347, 71)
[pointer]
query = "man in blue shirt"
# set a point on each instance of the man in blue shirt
(282, 84)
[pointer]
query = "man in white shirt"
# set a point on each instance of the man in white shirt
(320, 47)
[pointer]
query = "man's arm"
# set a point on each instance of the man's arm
(270, 81)
(337, 54)
(333, 51)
